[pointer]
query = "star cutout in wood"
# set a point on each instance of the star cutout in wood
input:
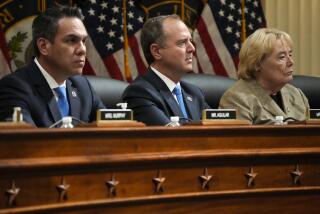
(63, 189)
(12, 194)
(112, 185)
(296, 175)
(251, 175)
(205, 179)
(158, 181)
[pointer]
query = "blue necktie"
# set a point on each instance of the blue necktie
(177, 92)
(62, 100)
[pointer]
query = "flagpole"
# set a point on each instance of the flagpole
(182, 10)
(243, 21)
(125, 42)
(42, 5)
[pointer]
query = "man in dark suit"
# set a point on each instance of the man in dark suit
(59, 43)
(168, 49)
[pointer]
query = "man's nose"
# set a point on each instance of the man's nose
(191, 47)
(82, 48)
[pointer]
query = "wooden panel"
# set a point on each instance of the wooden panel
(36, 161)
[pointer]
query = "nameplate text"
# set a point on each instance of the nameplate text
(219, 114)
(114, 114)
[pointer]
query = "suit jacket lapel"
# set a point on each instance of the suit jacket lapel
(44, 90)
(268, 103)
(189, 104)
(164, 91)
(285, 95)
(171, 102)
(74, 101)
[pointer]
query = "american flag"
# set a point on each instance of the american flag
(218, 34)
(105, 53)
(5, 61)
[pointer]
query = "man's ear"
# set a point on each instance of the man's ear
(155, 51)
(43, 45)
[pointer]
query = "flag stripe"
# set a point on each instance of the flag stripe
(222, 52)
(203, 61)
(5, 67)
(210, 49)
(196, 65)
(4, 48)
(87, 69)
(113, 68)
(96, 64)
(134, 45)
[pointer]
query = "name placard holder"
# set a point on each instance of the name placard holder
(116, 117)
(313, 116)
(107, 115)
(221, 117)
(219, 114)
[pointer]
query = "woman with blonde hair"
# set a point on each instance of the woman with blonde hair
(263, 90)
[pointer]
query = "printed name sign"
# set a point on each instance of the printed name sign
(219, 114)
(114, 114)
(314, 114)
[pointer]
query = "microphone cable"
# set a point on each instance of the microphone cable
(290, 119)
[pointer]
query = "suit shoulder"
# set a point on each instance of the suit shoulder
(19, 77)
(291, 87)
(78, 78)
(191, 88)
(140, 83)
(294, 91)
(79, 81)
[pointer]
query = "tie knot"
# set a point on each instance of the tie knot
(177, 90)
(61, 91)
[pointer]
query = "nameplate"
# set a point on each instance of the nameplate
(114, 115)
(219, 114)
(314, 114)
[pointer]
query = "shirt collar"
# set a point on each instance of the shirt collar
(169, 83)
(50, 80)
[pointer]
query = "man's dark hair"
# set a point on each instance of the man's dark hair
(46, 24)
(152, 32)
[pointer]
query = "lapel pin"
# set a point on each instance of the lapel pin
(74, 94)
(189, 98)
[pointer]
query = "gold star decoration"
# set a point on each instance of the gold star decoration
(112, 185)
(251, 175)
(63, 189)
(12, 194)
(158, 181)
(205, 179)
(296, 175)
